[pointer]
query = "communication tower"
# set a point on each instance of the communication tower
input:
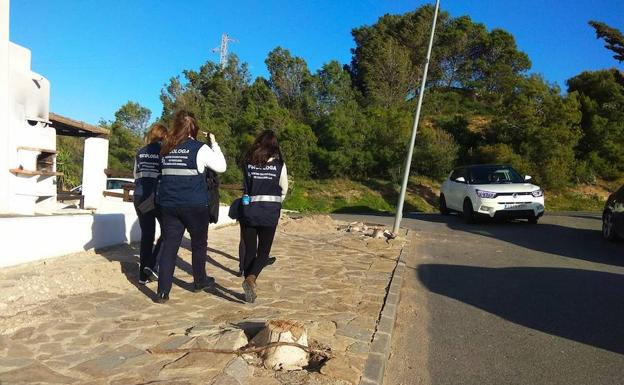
(223, 49)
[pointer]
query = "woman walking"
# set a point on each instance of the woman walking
(265, 184)
(146, 174)
(183, 199)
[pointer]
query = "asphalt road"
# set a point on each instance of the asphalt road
(509, 303)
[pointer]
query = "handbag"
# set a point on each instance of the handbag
(212, 180)
(148, 204)
(235, 209)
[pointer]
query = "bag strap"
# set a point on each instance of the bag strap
(245, 187)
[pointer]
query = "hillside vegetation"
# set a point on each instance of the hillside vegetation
(345, 127)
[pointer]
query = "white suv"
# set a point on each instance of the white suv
(495, 191)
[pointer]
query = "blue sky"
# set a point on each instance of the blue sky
(100, 54)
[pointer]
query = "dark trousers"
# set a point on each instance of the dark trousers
(174, 222)
(258, 241)
(148, 252)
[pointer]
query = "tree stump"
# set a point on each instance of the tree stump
(283, 357)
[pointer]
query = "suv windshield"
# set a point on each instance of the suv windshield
(493, 175)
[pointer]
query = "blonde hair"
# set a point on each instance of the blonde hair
(155, 133)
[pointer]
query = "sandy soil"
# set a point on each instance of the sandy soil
(26, 285)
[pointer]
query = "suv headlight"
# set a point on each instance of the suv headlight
(538, 193)
(486, 194)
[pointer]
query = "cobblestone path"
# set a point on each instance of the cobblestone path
(98, 333)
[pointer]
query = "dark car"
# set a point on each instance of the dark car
(613, 216)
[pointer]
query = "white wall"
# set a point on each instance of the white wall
(93, 176)
(34, 238)
(4, 105)
(22, 119)
(26, 239)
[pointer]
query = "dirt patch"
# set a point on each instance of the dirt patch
(593, 190)
(428, 193)
(312, 224)
(28, 284)
(479, 123)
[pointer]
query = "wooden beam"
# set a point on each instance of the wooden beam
(26, 148)
(118, 173)
(73, 127)
(34, 173)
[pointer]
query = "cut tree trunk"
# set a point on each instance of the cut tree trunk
(283, 357)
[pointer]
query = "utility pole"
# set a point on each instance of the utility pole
(223, 49)
(408, 161)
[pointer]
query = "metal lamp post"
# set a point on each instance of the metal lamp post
(408, 161)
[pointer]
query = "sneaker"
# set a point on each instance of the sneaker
(152, 274)
(200, 286)
(249, 287)
(142, 281)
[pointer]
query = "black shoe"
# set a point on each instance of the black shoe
(200, 286)
(161, 297)
(143, 278)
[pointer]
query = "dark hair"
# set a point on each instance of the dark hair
(264, 147)
(156, 132)
(182, 126)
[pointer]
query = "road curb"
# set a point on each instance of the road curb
(375, 365)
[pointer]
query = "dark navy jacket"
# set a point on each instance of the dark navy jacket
(147, 171)
(181, 185)
(262, 185)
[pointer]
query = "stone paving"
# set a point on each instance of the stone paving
(333, 281)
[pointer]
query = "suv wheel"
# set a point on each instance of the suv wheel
(469, 216)
(608, 230)
(533, 220)
(442, 205)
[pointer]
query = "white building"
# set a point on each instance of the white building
(28, 174)
(33, 225)
(28, 136)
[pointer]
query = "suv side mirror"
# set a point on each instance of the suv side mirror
(461, 179)
(528, 177)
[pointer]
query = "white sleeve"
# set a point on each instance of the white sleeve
(211, 157)
(283, 181)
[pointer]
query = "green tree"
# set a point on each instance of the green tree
(503, 153)
(435, 152)
(215, 96)
(389, 56)
(122, 147)
(331, 87)
(539, 124)
(290, 80)
(390, 130)
(126, 135)
(459, 44)
(134, 117)
(261, 111)
(601, 96)
(344, 143)
(612, 36)
(70, 165)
